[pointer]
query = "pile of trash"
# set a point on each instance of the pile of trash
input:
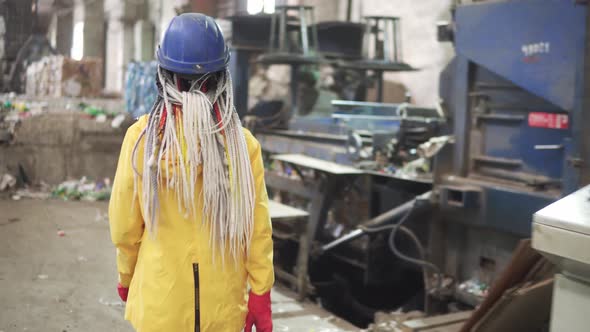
(7, 181)
(101, 115)
(12, 112)
(140, 87)
(18, 187)
(392, 321)
(83, 189)
(475, 287)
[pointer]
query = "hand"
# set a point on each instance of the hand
(259, 313)
(123, 291)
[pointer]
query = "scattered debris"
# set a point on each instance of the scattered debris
(42, 277)
(450, 322)
(12, 113)
(101, 216)
(82, 259)
(430, 148)
(118, 120)
(110, 304)
(84, 190)
(27, 193)
(61, 233)
(101, 118)
(475, 287)
(389, 322)
(414, 168)
(7, 182)
(415, 321)
(16, 197)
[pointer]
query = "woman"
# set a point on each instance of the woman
(188, 212)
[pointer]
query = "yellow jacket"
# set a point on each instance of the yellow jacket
(174, 284)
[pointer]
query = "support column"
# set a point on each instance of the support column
(94, 43)
(120, 46)
(88, 22)
(119, 50)
(143, 32)
(63, 32)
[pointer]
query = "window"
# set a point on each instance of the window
(77, 51)
(258, 6)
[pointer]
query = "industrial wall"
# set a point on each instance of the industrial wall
(133, 29)
(420, 47)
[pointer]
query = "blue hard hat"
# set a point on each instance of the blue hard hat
(193, 44)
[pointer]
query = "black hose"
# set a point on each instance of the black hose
(373, 224)
(419, 247)
(420, 262)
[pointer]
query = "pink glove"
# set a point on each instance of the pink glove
(123, 291)
(259, 313)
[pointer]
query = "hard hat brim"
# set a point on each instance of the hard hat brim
(191, 67)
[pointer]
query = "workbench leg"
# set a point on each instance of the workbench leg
(319, 211)
(302, 267)
(379, 76)
(294, 89)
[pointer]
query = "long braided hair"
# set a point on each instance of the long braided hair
(199, 127)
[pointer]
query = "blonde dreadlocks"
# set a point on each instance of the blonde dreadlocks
(199, 128)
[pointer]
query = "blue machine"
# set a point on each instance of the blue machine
(518, 90)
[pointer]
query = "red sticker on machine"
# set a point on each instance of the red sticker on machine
(548, 120)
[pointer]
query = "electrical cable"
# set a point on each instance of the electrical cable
(421, 251)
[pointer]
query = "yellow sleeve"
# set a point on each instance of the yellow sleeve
(125, 217)
(260, 262)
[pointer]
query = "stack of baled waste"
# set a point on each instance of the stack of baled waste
(140, 87)
(59, 76)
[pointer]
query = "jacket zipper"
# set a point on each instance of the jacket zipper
(197, 304)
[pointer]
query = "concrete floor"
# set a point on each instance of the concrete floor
(67, 283)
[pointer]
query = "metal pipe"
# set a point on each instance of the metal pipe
(379, 75)
(273, 28)
(283, 31)
(303, 31)
(387, 40)
(314, 31)
(349, 11)
(343, 239)
(294, 86)
(394, 41)
(395, 213)
(384, 117)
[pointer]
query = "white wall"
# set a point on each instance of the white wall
(419, 45)
(119, 50)
(78, 18)
(143, 43)
(160, 14)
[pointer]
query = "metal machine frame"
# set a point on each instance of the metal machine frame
(518, 94)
